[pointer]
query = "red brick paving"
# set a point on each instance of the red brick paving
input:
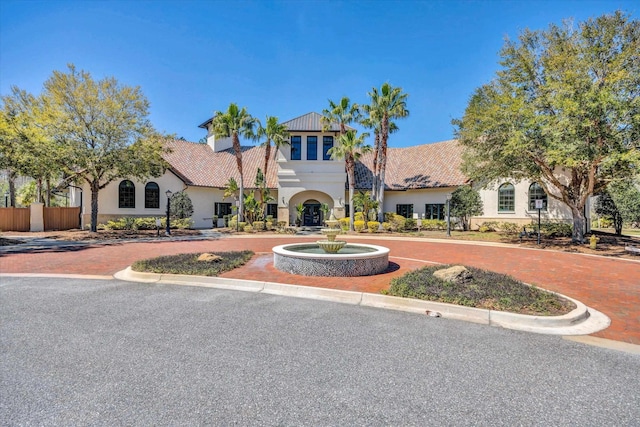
(611, 286)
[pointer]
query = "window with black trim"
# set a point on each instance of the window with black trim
(536, 192)
(434, 211)
(272, 209)
(126, 194)
(151, 196)
(405, 210)
(221, 209)
(506, 198)
(327, 144)
(296, 147)
(312, 148)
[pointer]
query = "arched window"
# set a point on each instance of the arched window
(506, 198)
(151, 196)
(126, 195)
(536, 192)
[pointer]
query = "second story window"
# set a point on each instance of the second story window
(327, 144)
(296, 147)
(312, 148)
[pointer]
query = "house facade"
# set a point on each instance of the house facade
(418, 181)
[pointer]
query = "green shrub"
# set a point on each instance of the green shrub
(510, 228)
(555, 229)
(344, 223)
(233, 224)
(373, 226)
(269, 225)
(248, 228)
(398, 222)
(358, 226)
(387, 226)
(242, 225)
(358, 216)
(410, 224)
(489, 226)
(258, 225)
(269, 218)
(434, 224)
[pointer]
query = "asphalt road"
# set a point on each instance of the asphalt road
(98, 352)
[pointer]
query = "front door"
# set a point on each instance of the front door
(312, 216)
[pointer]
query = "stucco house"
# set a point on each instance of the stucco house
(418, 180)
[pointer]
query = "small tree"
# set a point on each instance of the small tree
(181, 205)
(299, 212)
(465, 203)
(606, 206)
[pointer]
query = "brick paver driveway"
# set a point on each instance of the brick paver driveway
(608, 285)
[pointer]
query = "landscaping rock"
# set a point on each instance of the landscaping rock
(455, 274)
(209, 257)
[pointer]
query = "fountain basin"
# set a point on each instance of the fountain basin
(308, 259)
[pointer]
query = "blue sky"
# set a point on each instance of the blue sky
(286, 59)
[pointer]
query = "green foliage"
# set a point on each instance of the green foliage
(434, 224)
(189, 264)
(358, 226)
(510, 228)
(258, 225)
(181, 205)
(272, 132)
(553, 229)
(565, 103)
(248, 228)
(410, 224)
(606, 206)
(365, 204)
(358, 216)
(489, 226)
(146, 223)
(252, 208)
(397, 222)
(626, 197)
(465, 203)
(231, 189)
(387, 226)
(344, 223)
(373, 226)
(486, 289)
(299, 213)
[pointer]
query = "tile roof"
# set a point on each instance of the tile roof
(198, 165)
(310, 122)
(422, 166)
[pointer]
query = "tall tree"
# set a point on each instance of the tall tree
(349, 148)
(233, 123)
(564, 111)
(386, 104)
(102, 131)
(25, 148)
(274, 132)
(343, 113)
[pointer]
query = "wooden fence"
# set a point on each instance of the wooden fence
(61, 218)
(15, 219)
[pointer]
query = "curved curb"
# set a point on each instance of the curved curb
(581, 321)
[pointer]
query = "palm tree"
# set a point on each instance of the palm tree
(386, 104)
(273, 132)
(349, 148)
(365, 202)
(342, 113)
(232, 124)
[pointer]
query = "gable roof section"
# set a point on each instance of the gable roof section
(423, 166)
(310, 122)
(198, 165)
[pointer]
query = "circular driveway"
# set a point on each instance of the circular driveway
(609, 285)
(106, 352)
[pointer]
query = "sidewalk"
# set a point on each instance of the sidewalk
(611, 286)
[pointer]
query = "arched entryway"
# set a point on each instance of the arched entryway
(312, 216)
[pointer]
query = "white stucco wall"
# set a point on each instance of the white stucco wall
(418, 198)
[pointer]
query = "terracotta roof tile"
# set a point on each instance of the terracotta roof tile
(422, 166)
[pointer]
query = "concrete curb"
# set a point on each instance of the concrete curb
(581, 321)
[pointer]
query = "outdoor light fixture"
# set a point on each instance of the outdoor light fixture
(168, 230)
(449, 215)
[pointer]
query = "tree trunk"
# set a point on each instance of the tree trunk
(267, 154)
(578, 225)
(48, 201)
(351, 177)
(238, 151)
(374, 172)
(12, 188)
(383, 168)
(94, 206)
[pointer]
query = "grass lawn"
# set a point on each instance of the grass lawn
(189, 263)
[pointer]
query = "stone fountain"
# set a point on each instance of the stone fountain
(331, 245)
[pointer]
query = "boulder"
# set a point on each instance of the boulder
(455, 274)
(209, 257)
